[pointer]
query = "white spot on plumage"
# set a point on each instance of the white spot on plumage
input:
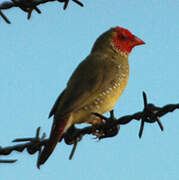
(110, 89)
(85, 108)
(116, 84)
(107, 92)
(95, 102)
(104, 93)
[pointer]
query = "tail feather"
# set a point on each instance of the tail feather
(57, 131)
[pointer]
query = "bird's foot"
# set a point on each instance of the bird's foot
(108, 127)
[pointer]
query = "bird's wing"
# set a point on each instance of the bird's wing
(54, 108)
(90, 77)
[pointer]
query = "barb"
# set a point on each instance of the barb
(109, 128)
(33, 144)
(73, 150)
(8, 161)
(29, 5)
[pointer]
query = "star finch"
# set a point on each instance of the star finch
(94, 86)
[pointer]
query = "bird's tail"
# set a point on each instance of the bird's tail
(57, 131)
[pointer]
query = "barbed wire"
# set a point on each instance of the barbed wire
(109, 128)
(29, 5)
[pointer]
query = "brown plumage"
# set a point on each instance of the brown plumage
(95, 85)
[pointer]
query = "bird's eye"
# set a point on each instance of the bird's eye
(123, 37)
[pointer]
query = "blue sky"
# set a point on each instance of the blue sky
(38, 57)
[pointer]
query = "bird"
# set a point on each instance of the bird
(94, 86)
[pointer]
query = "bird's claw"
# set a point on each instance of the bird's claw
(100, 116)
(109, 128)
(109, 132)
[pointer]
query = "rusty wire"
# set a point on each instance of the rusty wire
(28, 6)
(109, 128)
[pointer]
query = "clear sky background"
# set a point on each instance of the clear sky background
(38, 57)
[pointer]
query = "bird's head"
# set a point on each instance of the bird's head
(119, 39)
(123, 40)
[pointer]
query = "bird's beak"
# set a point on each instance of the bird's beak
(137, 41)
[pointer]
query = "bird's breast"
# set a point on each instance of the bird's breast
(104, 100)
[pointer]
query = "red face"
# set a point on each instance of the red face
(125, 41)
